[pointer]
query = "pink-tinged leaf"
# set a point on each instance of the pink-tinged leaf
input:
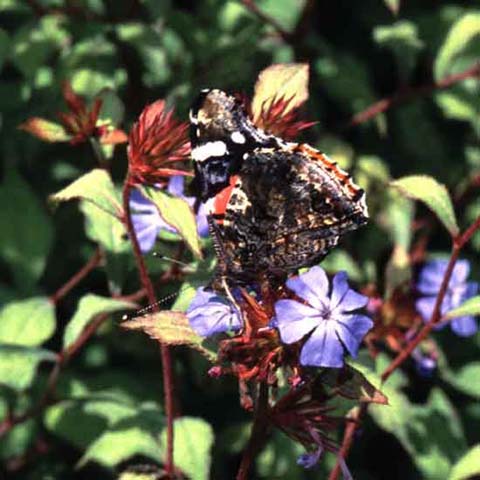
(114, 137)
(393, 6)
(350, 383)
(288, 81)
(169, 328)
(45, 130)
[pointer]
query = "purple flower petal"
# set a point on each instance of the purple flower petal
(311, 459)
(351, 329)
(176, 186)
(312, 286)
(464, 326)
(209, 314)
(146, 228)
(343, 297)
(295, 320)
(202, 222)
(425, 306)
(323, 348)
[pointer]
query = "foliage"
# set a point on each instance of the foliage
(389, 90)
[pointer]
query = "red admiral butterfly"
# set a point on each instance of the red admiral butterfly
(279, 206)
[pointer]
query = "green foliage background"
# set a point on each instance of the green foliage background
(110, 415)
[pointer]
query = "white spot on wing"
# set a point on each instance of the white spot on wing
(210, 149)
(237, 137)
(193, 119)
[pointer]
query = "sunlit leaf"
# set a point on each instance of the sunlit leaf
(287, 81)
(469, 307)
(178, 214)
(45, 130)
(193, 441)
(88, 308)
(461, 378)
(427, 190)
(468, 466)
(170, 328)
(462, 34)
(96, 187)
(18, 364)
(27, 322)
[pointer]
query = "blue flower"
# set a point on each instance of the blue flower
(329, 318)
(147, 221)
(458, 291)
(424, 364)
(209, 314)
(310, 459)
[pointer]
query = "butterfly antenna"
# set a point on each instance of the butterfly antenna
(169, 259)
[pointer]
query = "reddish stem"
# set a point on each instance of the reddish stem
(413, 92)
(458, 243)
(259, 433)
(48, 396)
(164, 349)
(92, 263)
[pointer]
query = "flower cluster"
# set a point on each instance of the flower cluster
(324, 320)
(459, 290)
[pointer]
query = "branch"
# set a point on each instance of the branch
(164, 349)
(411, 93)
(48, 395)
(92, 263)
(458, 243)
(253, 7)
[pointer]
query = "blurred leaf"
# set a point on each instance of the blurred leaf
(398, 270)
(18, 364)
(27, 322)
(169, 328)
(285, 12)
(433, 194)
(4, 47)
(104, 228)
(402, 39)
(18, 440)
(178, 214)
(468, 466)
(461, 378)
(112, 110)
(136, 435)
(339, 260)
(457, 106)
(88, 308)
(469, 307)
(287, 81)
(96, 187)
(393, 6)
(86, 80)
(193, 441)
(352, 382)
(45, 130)
(462, 34)
(26, 231)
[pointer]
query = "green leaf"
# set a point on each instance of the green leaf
(285, 12)
(135, 435)
(169, 328)
(469, 307)
(461, 379)
(104, 228)
(178, 214)
(457, 106)
(193, 440)
(88, 308)
(96, 187)
(26, 231)
(45, 130)
(113, 110)
(468, 466)
(4, 46)
(18, 364)
(427, 190)
(462, 35)
(27, 322)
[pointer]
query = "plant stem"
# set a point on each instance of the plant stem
(164, 349)
(92, 263)
(259, 432)
(411, 93)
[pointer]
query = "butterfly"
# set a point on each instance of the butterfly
(278, 206)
